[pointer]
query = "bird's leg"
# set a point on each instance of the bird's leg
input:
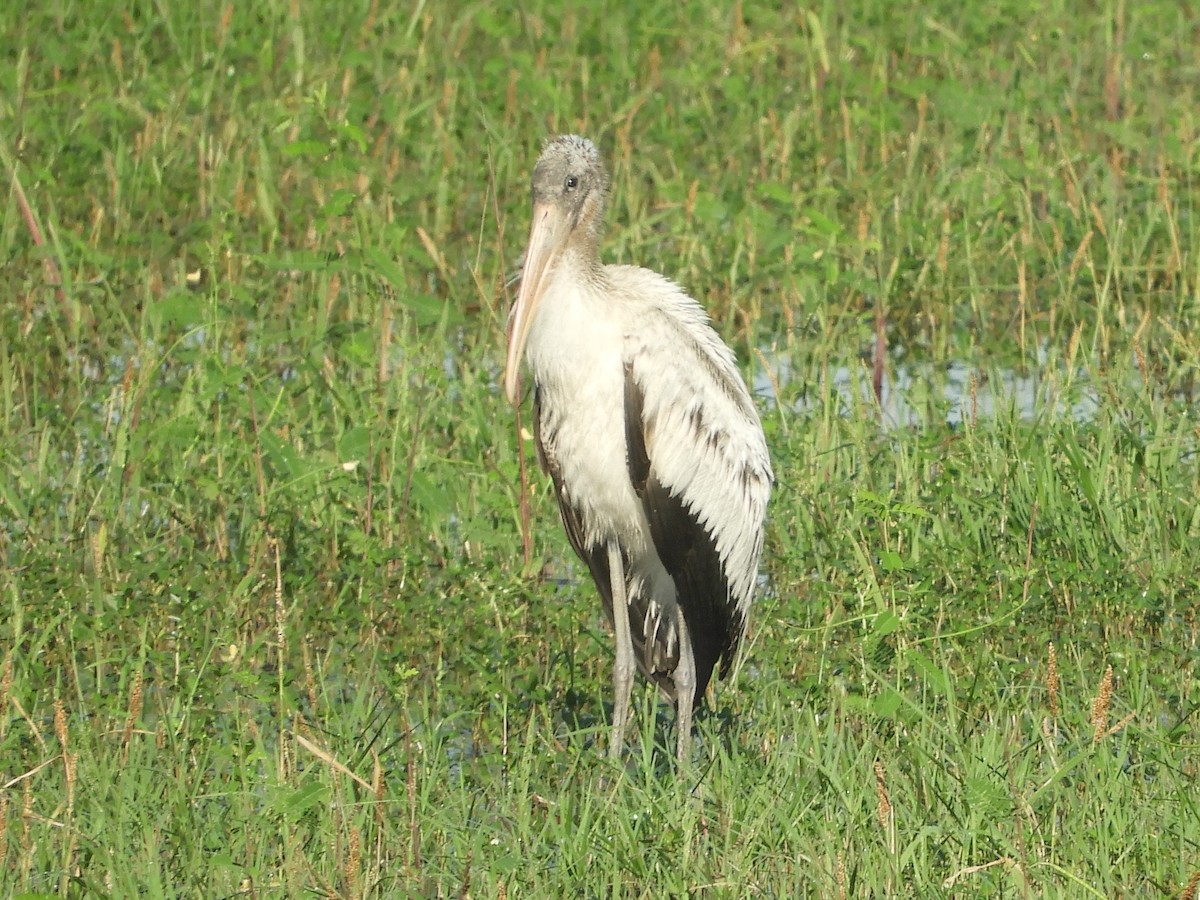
(624, 664)
(685, 689)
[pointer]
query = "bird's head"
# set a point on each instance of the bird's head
(569, 185)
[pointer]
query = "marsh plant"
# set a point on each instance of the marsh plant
(286, 610)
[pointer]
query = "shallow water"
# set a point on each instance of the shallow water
(917, 394)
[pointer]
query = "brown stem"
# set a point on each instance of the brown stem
(53, 277)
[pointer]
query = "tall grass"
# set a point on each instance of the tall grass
(269, 630)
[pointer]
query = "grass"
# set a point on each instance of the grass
(269, 630)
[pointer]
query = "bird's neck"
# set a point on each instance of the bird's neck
(575, 311)
(581, 257)
(579, 272)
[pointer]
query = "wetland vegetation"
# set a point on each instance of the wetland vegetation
(273, 625)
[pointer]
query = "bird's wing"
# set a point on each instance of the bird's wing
(698, 460)
(595, 555)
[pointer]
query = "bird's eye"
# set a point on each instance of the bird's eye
(571, 183)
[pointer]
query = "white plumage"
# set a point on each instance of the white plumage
(650, 435)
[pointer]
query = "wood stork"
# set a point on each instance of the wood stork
(650, 436)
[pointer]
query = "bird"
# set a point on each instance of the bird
(650, 436)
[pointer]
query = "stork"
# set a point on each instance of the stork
(650, 436)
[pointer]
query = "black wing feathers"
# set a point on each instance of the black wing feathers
(687, 551)
(636, 458)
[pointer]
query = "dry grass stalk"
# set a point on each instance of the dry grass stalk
(1052, 680)
(96, 543)
(884, 805)
(69, 765)
(280, 611)
(60, 729)
(1100, 707)
(353, 862)
(60, 724)
(377, 789)
(840, 874)
(952, 880)
(135, 713)
(328, 758)
(1077, 261)
(1191, 890)
(285, 747)
(26, 839)
(1120, 726)
(1049, 723)
(53, 278)
(6, 680)
(1139, 356)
